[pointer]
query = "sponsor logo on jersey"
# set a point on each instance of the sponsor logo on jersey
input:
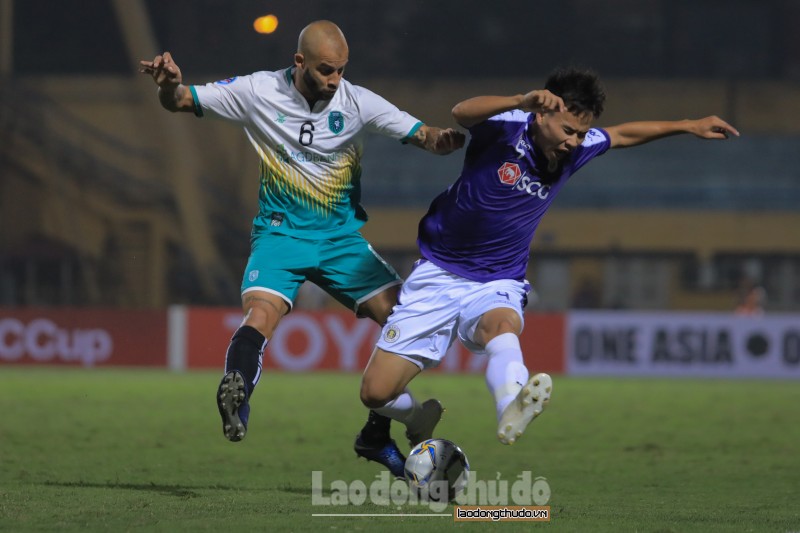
(253, 275)
(277, 220)
(336, 122)
(509, 173)
(392, 334)
(286, 156)
(521, 146)
(533, 187)
(226, 81)
(281, 118)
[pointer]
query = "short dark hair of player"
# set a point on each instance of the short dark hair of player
(579, 88)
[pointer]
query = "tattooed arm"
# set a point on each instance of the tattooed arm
(437, 140)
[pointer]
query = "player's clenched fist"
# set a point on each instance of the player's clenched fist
(448, 141)
(542, 101)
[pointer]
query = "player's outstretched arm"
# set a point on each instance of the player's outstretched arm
(437, 140)
(165, 73)
(635, 133)
(476, 110)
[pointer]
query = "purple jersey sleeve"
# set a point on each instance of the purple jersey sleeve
(597, 142)
(497, 129)
(482, 226)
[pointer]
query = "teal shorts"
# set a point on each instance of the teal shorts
(345, 267)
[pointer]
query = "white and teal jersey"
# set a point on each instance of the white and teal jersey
(310, 158)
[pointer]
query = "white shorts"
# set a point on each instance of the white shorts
(435, 306)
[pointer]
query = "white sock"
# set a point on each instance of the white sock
(505, 373)
(403, 408)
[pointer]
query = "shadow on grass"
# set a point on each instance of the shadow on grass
(182, 491)
(305, 491)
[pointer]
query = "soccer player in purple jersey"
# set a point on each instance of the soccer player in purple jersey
(475, 242)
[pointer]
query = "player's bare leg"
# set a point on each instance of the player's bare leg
(374, 441)
(378, 308)
(383, 388)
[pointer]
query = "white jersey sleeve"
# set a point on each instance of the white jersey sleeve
(382, 117)
(229, 99)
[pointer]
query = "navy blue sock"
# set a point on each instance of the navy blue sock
(376, 431)
(244, 354)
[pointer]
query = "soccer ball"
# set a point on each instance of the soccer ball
(437, 469)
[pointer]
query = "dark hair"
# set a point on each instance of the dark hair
(579, 88)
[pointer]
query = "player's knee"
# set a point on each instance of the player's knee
(373, 395)
(490, 326)
(263, 319)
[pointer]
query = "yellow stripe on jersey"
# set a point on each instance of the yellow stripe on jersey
(320, 196)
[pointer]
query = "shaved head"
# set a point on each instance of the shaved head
(321, 35)
(321, 56)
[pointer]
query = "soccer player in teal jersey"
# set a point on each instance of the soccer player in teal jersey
(307, 124)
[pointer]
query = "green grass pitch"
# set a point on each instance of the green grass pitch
(133, 450)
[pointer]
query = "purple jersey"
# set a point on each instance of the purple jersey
(482, 226)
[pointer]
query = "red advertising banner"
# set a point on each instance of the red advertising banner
(82, 337)
(337, 340)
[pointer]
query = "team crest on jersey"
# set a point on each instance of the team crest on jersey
(392, 334)
(509, 173)
(336, 122)
(253, 275)
(227, 81)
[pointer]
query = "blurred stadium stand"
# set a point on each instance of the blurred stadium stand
(106, 199)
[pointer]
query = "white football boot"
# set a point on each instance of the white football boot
(425, 421)
(529, 403)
